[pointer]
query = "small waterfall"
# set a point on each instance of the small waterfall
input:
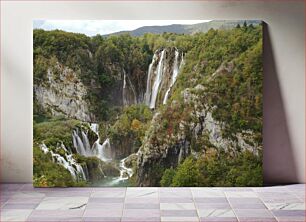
(124, 99)
(95, 128)
(157, 81)
(86, 142)
(174, 75)
(104, 151)
(129, 95)
(78, 143)
(68, 162)
(82, 145)
(125, 173)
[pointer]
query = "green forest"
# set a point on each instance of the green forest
(207, 133)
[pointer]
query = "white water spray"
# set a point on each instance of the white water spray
(157, 81)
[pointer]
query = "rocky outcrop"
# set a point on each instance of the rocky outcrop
(128, 86)
(164, 147)
(122, 147)
(63, 94)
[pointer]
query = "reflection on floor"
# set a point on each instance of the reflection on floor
(22, 202)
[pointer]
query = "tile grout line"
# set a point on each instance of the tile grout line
(198, 214)
(229, 203)
(91, 192)
(158, 197)
(36, 206)
(123, 207)
(265, 205)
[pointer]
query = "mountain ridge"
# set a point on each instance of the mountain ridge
(186, 29)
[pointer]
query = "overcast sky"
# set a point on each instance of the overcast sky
(93, 27)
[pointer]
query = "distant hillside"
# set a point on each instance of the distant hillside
(187, 29)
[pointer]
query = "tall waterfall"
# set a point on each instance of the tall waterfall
(157, 81)
(129, 95)
(82, 145)
(174, 75)
(148, 89)
(75, 169)
(162, 74)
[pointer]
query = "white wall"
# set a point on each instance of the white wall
(284, 63)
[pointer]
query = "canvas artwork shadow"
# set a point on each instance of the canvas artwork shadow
(165, 105)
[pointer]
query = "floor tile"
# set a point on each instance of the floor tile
(20, 206)
(253, 213)
(140, 219)
(24, 200)
(54, 219)
(216, 213)
(141, 206)
(245, 200)
(240, 194)
(109, 206)
(106, 200)
(103, 213)
(142, 213)
(278, 189)
(218, 219)
(175, 192)
(133, 192)
(56, 214)
(113, 193)
(291, 219)
(256, 219)
(14, 214)
(176, 200)
(246, 203)
(210, 200)
(27, 194)
(179, 219)
(205, 192)
(274, 197)
(68, 193)
(289, 213)
(212, 206)
(141, 200)
(285, 206)
(178, 213)
(101, 219)
(10, 187)
(177, 206)
(62, 203)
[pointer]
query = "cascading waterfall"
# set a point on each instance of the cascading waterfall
(103, 152)
(78, 143)
(125, 173)
(75, 169)
(157, 81)
(174, 75)
(83, 147)
(162, 77)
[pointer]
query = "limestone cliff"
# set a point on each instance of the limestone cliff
(63, 94)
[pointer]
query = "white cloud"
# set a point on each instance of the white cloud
(93, 27)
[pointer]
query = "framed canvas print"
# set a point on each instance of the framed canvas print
(147, 103)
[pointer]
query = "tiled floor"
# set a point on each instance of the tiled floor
(22, 202)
